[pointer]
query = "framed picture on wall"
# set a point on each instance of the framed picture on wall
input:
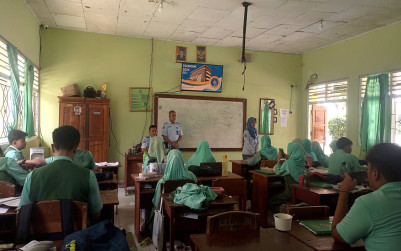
(275, 111)
(140, 99)
(275, 120)
(200, 54)
(180, 54)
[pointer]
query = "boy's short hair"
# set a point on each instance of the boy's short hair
(386, 157)
(152, 126)
(170, 112)
(16, 135)
(66, 137)
(343, 142)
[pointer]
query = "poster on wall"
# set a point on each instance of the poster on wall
(201, 77)
(140, 99)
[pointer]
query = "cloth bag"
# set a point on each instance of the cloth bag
(158, 227)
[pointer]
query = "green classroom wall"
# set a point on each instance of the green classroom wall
(122, 62)
(375, 52)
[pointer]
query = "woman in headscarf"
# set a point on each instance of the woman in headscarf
(299, 142)
(307, 145)
(291, 170)
(267, 152)
(321, 157)
(156, 152)
(251, 141)
(202, 154)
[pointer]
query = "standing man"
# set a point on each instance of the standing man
(172, 131)
(146, 140)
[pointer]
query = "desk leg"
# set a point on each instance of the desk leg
(137, 210)
(260, 198)
(172, 229)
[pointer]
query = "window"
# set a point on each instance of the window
(5, 93)
(327, 103)
(395, 93)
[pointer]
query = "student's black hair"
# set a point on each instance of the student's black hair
(16, 135)
(152, 126)
(343, 142)
(65, 137)
(386, 158)
(170, 112)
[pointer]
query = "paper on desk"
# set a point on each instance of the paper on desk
(3, 209)
(190, 215)
(10, 202)
(107, 164)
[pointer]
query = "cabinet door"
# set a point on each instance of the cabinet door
(73, 114)
(98, 130)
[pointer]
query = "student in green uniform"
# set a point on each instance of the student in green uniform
(63, 179)
(374, 217)
(307, 145)
(11, 172)
(333, 146)
(299, 142)
(267, 152)
(156, 152)
(321, 157)
(343, 153)
(291, 170)
(82, 158)
(202, 154)
(16, 138)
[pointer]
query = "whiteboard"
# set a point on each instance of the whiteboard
(219, 121)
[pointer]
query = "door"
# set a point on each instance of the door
(98, 130)
(73, 114)
(319, 123)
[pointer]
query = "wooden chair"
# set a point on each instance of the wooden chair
(233, 222)
(270, 163)
(214, 165)
(308, 212)
(235, 187)
(7, 189)
(171, 185)
(46, 220)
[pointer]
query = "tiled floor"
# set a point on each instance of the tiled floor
(126, 214)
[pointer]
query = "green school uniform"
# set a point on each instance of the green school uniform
(321, 157)
(307, 145)
(338, 157)
(266, 152)
(157, 151)
(14, 153)
(62, 179)
(375, 218)
(83, 158)
(11, 172)
(295, 165)
(202, 154)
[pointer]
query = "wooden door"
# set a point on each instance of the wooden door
(319, 123)
(98, 130)
(73, 113)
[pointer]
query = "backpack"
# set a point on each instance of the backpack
(103, 236)
(204, 171)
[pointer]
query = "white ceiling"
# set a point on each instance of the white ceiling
(289, 26)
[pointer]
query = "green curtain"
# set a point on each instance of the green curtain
(266, 118)
(28, 109)
(376, 112)
(14, 84)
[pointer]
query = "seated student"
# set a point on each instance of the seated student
(146, 140)
(11, 172)
(63, 179)
(202, 154)
(307, 145)
(267, 152)
(16, 138)
(333, 146)
(321, 157)
(374, 217)
(299, 142)
(82, 158)
(343, 153)
(157, 151)
(291, 170)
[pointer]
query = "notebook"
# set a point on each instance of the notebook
(319, 227)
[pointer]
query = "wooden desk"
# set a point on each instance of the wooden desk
(8, 226)
(264, 187)
(173, 210)
(241, 168)
(109, 200)
(109, 184)
(319, 242)
(268, 239)
(131, 167)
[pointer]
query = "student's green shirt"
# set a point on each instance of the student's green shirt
(11, 172)
(82, 158)
(338, 157)
(14, 153)
(94, 200)
(256, 159)
(375, 218)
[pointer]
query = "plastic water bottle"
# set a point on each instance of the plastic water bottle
(306, 181)
(225, 166)
(343, 168)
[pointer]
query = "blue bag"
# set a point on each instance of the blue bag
(100, 237)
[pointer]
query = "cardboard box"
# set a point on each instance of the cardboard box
(71, 91)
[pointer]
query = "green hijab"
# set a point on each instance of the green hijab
(175, 170)
(299, 142)
(333, 145)
(307, 145)
(295, 164)
(267, 149)
(202, 154)
(321, 157)
(84, 158)
(157, 149)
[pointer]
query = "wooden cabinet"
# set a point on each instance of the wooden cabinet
(132, 166)
(91, 117)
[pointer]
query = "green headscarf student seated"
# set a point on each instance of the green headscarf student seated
(321, 157)
(291, 170)
(307, 145)
(202, 154)
(82, 158)
(156, 152)
(343, 153)
(333, 146)
(267, 152)
(11, 172)
(299, 142)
